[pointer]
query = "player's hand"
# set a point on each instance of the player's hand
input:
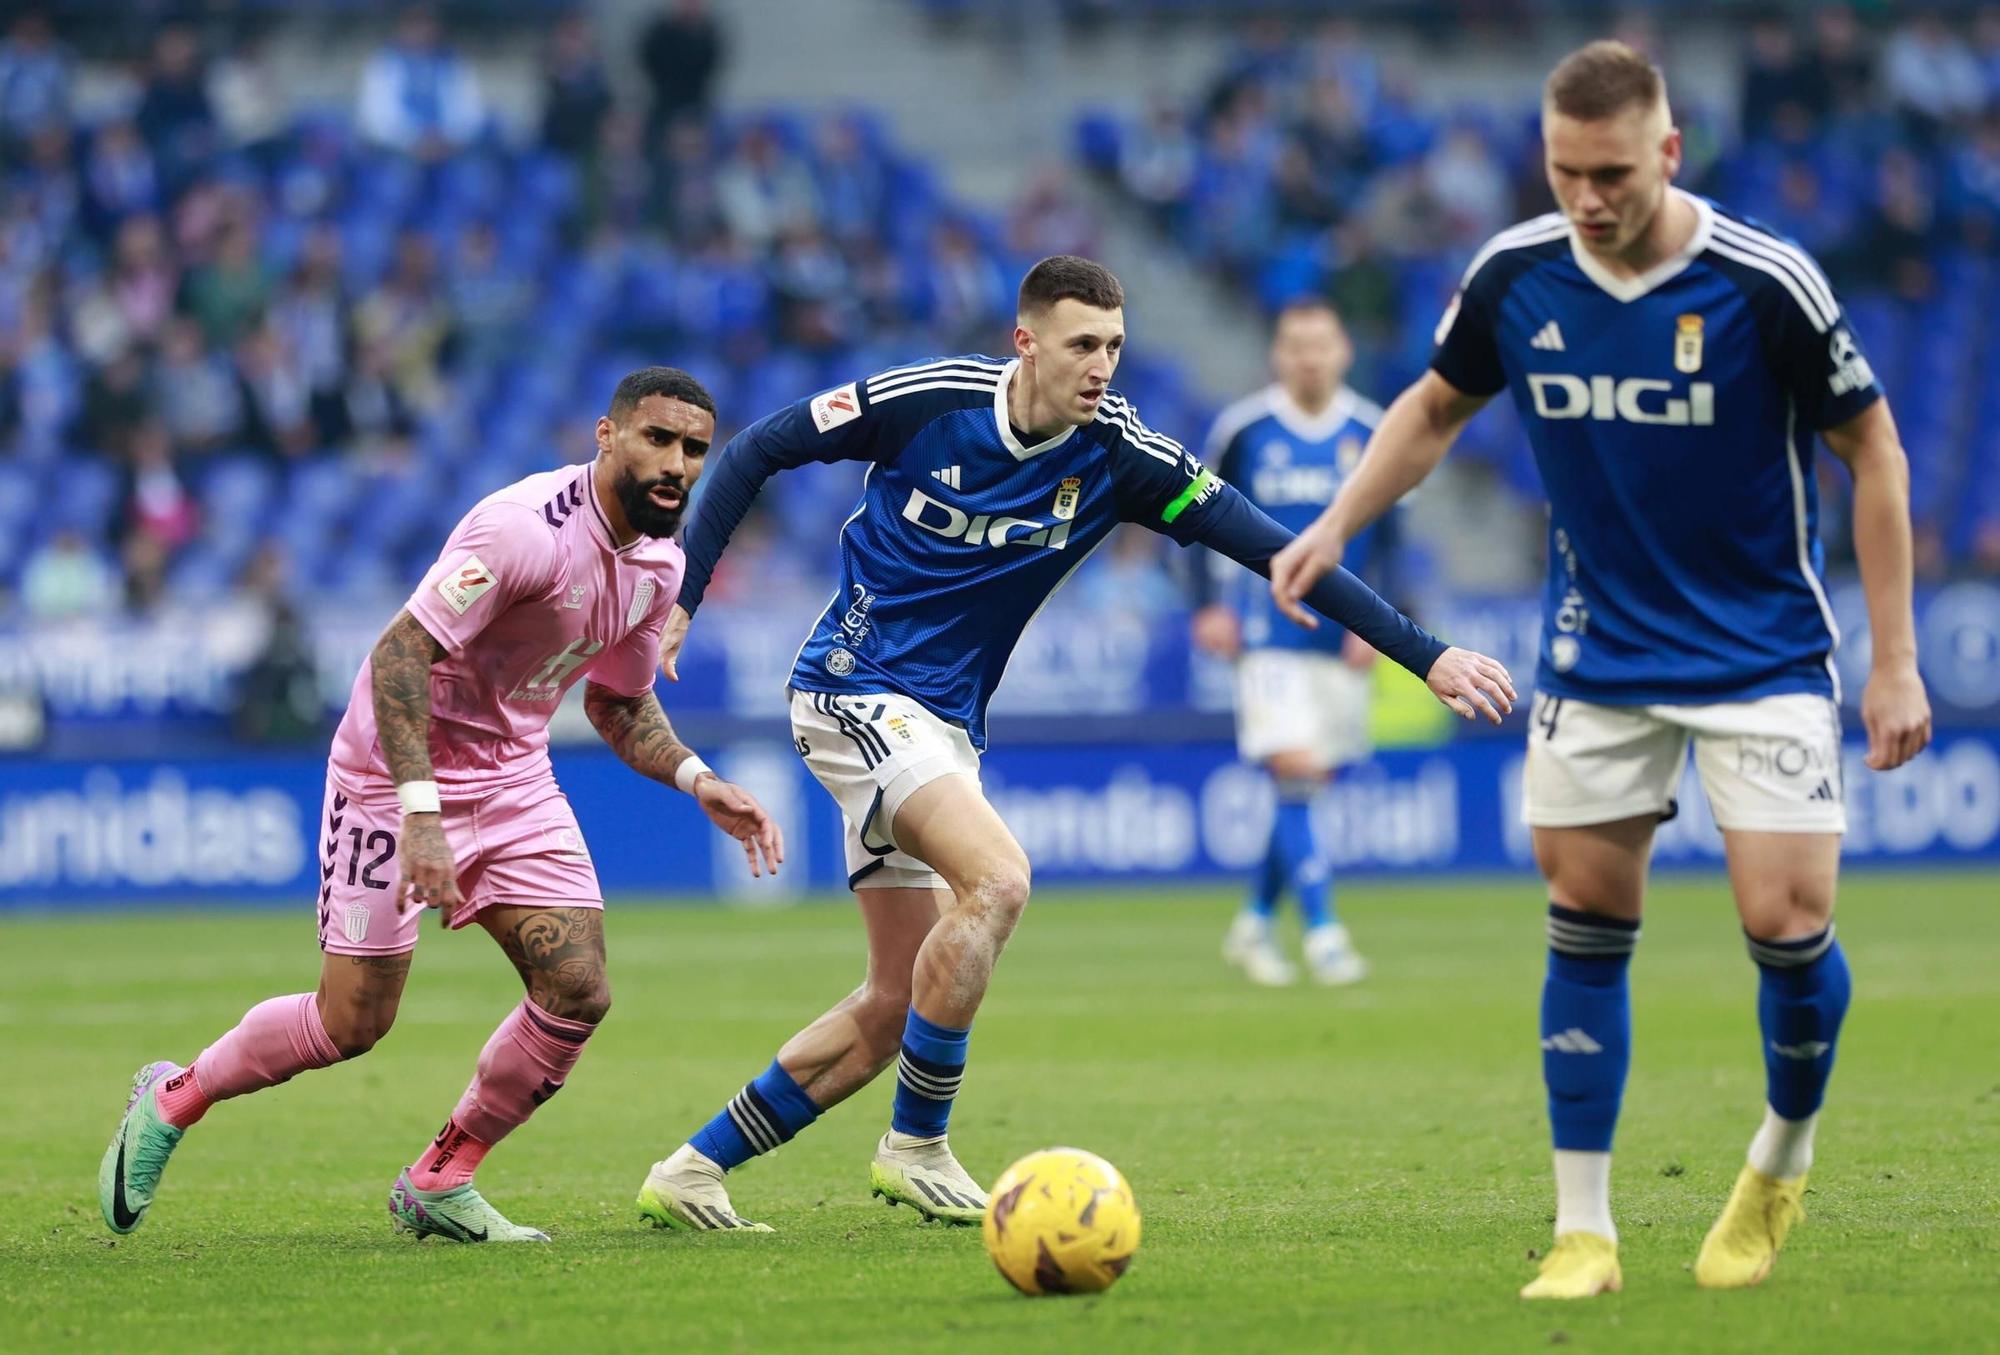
(1357, 653)
(1306, 559)
(1215, 631)
(427, 876)
(672, 636)
(1472, 684)
(736, 812)
(1897, 716)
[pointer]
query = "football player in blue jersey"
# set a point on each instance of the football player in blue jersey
(1672, 364)
(1301, 695)
(988, 482)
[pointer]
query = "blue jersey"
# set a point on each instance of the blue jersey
(1290, 464)
(1672, 418)
(962, 532)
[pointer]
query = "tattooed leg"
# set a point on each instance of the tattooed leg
(358, 996)
(560, 955)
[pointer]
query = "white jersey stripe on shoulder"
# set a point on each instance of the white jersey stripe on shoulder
(1235, 417)
(1778, 271)
(890, 373)
(1540, 230)
(1139, 435)
(987, 379)
(904, 375)
(984, 388)
(1149, 448)
(1808, 272)
(1122, 409)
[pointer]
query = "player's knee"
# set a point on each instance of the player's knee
(584, 998)
(1784, 910)
(356, 1029)
(1000, 894)
(881, 1014)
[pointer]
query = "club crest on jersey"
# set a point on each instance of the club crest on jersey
(465, 583)
(899, 725)
(839, 662)
(355, 924)
(642, 598)
(1687, 343)
(1347, 454)
(836, 407)
(575, 601)
(1067, 495)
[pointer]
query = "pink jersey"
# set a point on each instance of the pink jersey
(528, 596)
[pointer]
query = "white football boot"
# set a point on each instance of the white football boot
(686, 1191)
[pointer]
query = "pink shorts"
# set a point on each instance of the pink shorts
(516, 845)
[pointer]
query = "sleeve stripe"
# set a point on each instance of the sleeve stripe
(883, 381)
(985, 388)
(1538, 231)
(1150, 445)
(1769, 266)
(1116, 410)
(1791, 260)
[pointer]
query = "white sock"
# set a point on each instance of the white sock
(1783, 1148)
(1583, 1193)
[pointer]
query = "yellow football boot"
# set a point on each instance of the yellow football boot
(1579, 1266)
(1740, 1248)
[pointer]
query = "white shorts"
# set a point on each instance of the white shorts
(1771, 765)
(872, 750)
(1290, 700)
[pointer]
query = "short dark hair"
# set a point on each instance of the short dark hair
(1601, 80)
(1065, 277)
(1307, 304)
(671, 382)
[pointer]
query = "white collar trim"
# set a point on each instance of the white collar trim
(1006, 425)
(1632, 288)
(1311, 427)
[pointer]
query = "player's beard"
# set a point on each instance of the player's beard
(646, 517)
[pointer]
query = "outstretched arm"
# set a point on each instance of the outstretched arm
(638, 730)
(1413, 437)
(1894, 709)
(400, 685)
(791, 437)
(1469, 684)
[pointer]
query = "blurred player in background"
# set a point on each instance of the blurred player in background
(1671, 363)
(988, 483)
(439, 794)
(1301, 695)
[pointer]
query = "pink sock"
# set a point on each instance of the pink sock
(274, 1040)
(523, 1065)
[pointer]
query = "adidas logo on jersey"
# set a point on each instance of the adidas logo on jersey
(1548, 338)
(947, 476)
(1572, 1041)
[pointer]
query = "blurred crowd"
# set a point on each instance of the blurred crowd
(243, 340)
(1308, 165)
(254, 343)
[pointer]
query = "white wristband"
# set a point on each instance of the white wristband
(685, 774)
(420, 797)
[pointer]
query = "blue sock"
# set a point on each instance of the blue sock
(769, 1110)
(1586, 1026)
(1305, 864)
(1801, 997)
(1269, 885)
(927, 1076)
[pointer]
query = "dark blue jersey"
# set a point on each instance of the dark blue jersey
(962, 533)
(1290, 464)
(1672, 417)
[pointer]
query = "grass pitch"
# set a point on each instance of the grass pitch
(1320, 1170)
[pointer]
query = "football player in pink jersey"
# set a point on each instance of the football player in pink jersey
(439, 794)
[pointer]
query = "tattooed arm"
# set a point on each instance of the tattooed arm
(638, 731)
(401, 688)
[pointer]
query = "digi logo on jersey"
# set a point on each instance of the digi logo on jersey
(981, 529)
(1636, 399)
(1851, 371)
